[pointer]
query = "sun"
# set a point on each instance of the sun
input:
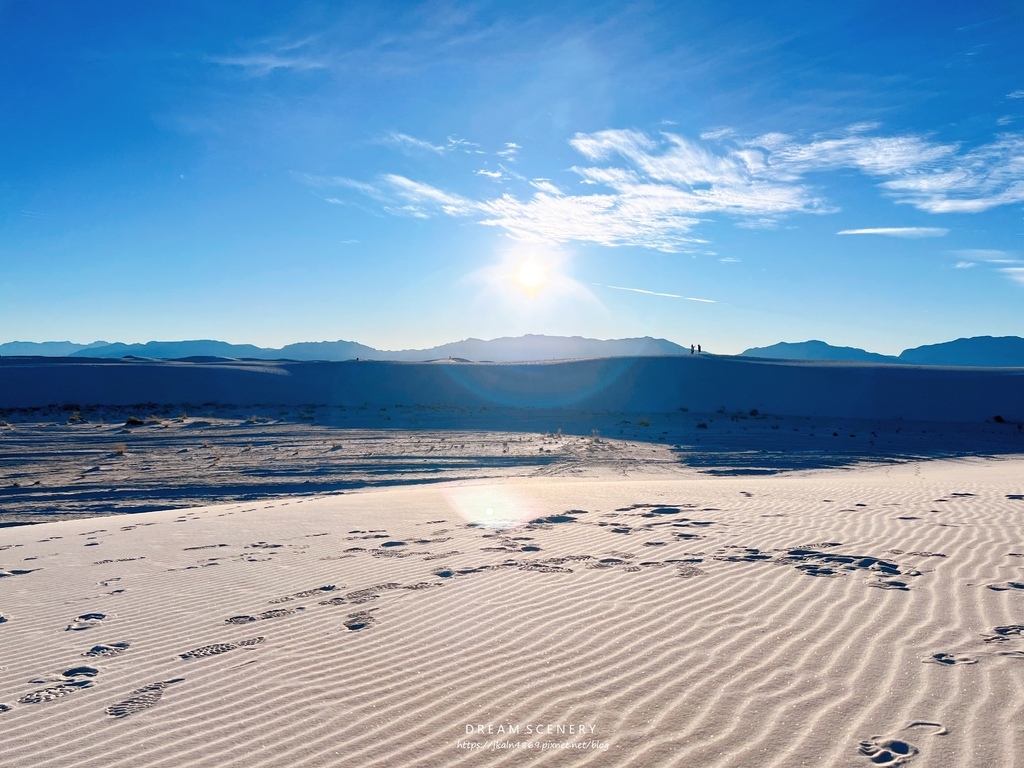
(531, 275)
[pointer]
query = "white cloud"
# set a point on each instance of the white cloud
(972, 182)
(730, 260)
(716, 134)
(265, 63)
(909, 232)
(544, 185)
(421, 198)
(1014, 273)
(407, 142)
(655, 293)
(653, 191)
(1015, 95)
(989, 255)
(510, 151)
(964, 265)
(1004, 120)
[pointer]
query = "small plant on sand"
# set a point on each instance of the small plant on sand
(702, 425)
(998, 419)
(120, 449)
(75, 417)
(134, 421)
(207, 444)
(643, 422)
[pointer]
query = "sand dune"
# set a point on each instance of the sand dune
(828, 618)
(701, 383)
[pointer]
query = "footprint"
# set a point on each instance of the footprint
(85, 621)
(273, 613)
(140, 700)
(360, 620)
(1006, 585)
(54, 692)
(4, 708)
(1003, 633)
(888, 751)
(81, 672)
(949, 659)
(107, 650)
(213, 650)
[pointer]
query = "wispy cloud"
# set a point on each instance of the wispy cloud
(1014, 273)
(452, 143)
(654, 190)
(988, 255)
(1003, 262)
(908, 232)
(655, 293)
(510, 151)
(271, 55)
(1015, 95)
(989, 176)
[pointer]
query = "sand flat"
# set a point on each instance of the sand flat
(840, 618)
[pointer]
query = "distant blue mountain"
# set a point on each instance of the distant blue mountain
(818, 350)
(984, 351)
(507, 349)
(46, 348)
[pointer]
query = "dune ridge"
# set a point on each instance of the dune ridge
(658, 384)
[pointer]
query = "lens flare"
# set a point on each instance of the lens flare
(491, 506)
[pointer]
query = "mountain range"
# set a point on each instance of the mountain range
(983, 351)
(506, 349)
(980, 351)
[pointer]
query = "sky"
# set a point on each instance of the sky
(405, 174)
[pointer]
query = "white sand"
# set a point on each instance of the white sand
(665, 635)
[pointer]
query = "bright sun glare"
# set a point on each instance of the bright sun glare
(531, 275)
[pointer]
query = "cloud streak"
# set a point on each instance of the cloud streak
(907, 232)
(655, 293)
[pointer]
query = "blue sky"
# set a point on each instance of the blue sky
(406, 174)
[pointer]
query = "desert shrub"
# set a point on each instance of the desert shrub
(753, 412)
(998, 419)
(120, 449)
(134, 421)
(643, 422)
(75, 417)
(702, 425)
